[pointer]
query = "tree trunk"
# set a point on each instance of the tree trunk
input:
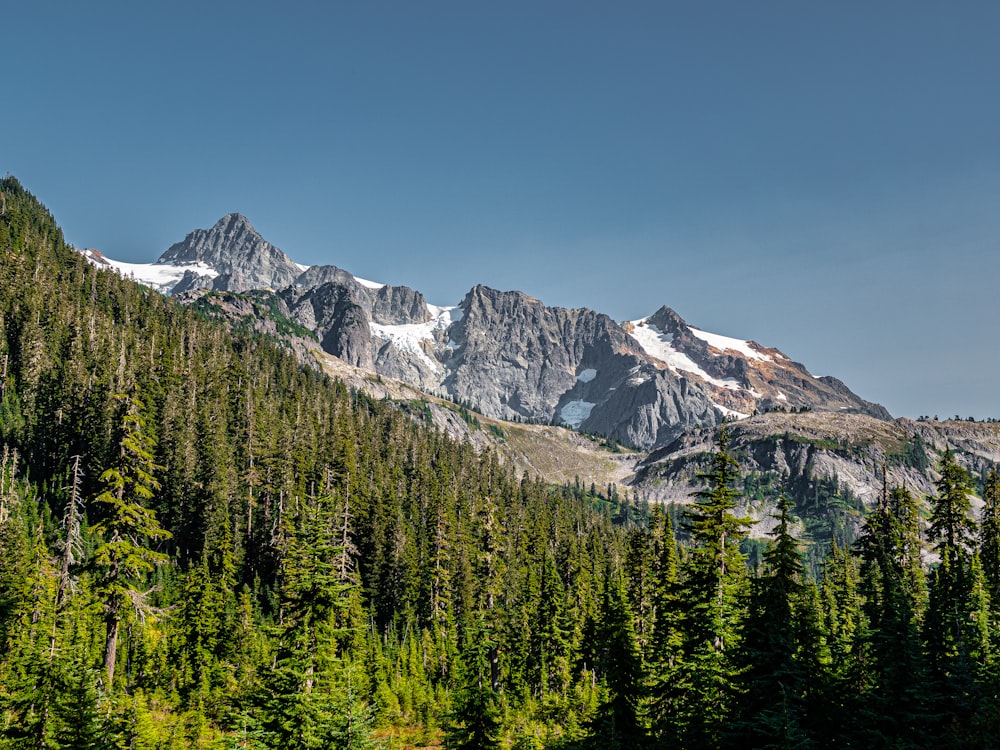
(111, 649)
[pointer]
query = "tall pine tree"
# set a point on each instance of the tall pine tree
(129, 529)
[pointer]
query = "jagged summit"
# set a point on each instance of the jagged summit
(241, 258)
(741, 376)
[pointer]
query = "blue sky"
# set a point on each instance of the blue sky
(820, 177)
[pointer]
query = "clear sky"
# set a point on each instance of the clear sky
(820, 177)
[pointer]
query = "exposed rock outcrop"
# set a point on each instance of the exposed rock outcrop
(332, 311)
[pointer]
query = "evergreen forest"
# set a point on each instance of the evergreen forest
(206, 544)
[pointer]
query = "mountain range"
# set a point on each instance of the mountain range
(641, 383)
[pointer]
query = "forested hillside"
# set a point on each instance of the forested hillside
(205, 544)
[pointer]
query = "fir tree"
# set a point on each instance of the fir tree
(125, 556)
(989, 536)
(715, 587)
(474, 722)
(618, 663)
(952, 531)
(895, 597)
(951, 631)
(774, 678)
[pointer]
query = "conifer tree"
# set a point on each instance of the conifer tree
(666, 619)
(715, 584)
(641, 584)
(894, 600)
(952, 532)
(474, 722)
(125, 557)
(619, 664)
(553, 631)
(951, 632)
(667, 641)
(716, 573)
(844, 625)
(989, 537)
(774, 677)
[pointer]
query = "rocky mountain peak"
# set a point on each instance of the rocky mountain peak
(233, 224)
(236, 251)
(487, 298)
(668, 321)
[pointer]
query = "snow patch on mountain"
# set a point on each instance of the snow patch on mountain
(731, 413)
(446, 315)
(575, 413)
(369, 284)
(160, 276)
(722, 343)
(410, 337)
(658, 345)
(587, 375)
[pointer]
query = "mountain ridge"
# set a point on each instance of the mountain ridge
(642, 383)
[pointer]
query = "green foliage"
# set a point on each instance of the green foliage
(124, 557)
(474, 721)
(698, 694)
(618, 663)
(266, 305)
(912, 454)
(989, 534)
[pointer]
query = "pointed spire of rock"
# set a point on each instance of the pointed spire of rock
(243, 259)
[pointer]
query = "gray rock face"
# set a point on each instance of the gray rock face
(398, 305)
(243, 258)
(765, 382)
(332, 312)
(853, 451)
(318, 275)
(517, 359)
(840, 392)
(191, 281)
(653, 408)
(386, 305)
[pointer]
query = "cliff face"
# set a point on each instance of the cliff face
(801, 452)
(338, 319)
(518, 359)
(382, 303)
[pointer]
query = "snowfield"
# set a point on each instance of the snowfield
(732, 413)
(658, 345)
(410, 337)
(369, 284)
(161, 277)
(722, 343)
(575, 413)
